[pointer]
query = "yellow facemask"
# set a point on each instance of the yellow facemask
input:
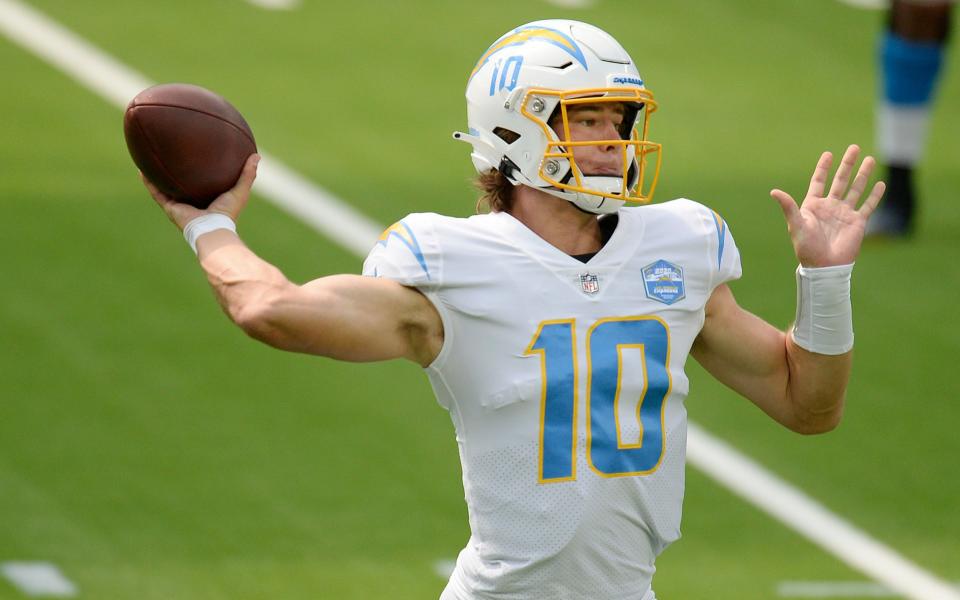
(636, 149)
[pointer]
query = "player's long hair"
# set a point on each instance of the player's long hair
(496, 191)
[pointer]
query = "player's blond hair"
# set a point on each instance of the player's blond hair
(496, 191)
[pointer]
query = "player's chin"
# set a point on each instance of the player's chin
(602, 172)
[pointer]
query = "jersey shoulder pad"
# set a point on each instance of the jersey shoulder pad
(724, 254)
(407, 252)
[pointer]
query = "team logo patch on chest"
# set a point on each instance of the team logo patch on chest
(663, 282)
(589, 283)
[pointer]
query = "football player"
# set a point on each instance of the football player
(911, 55)
(555, 328)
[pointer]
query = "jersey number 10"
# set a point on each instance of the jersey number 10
(555, 342)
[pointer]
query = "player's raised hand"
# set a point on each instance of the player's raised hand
(827, 228)
(230, 203)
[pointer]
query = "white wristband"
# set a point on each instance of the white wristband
(824, 315)
(206, 224)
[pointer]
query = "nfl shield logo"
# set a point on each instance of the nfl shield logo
(589, 283)
(664, 282)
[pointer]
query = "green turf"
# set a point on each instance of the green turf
(151, 451)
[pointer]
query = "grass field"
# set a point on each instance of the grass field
(151, 451)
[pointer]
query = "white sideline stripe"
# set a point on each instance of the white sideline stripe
(335, 219)
(118, 84)
(316, 207)
(836, 589)
(867, 4)
(573, 3)
(444, 568)
(70, 53)
(805, 515)
(276, 4)
(38, 579)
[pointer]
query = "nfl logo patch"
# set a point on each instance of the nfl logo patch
(589, 283)
(664, 282)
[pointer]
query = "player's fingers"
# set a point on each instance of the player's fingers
(873, 200)
(789, 206)
(842, 178)
(819, 180)
(233, 201)
(180, 214)
(860, 181)
(150, 187)
(248, 175)
(161, 198)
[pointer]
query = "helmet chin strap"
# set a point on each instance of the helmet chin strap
(598, 205)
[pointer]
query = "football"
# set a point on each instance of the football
(188, 141)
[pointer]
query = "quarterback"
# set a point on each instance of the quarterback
(555, 327)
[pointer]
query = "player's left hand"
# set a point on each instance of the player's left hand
(827, 230)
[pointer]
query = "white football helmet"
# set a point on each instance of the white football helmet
(527, 80)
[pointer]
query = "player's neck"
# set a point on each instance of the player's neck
(557, 221)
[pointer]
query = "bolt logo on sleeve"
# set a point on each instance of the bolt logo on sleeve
(402, 232)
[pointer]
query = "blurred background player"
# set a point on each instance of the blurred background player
(911, 57)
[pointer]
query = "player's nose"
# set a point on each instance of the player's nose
(610, 133)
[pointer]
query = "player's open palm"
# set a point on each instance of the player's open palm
(827, 228)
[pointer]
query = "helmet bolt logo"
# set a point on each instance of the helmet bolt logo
(537, 105)
(552, 167)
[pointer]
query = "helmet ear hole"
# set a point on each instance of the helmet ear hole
(509, 169)
(506, 134)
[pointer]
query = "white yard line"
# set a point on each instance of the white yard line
(581, 4)
(276, 4)
(867, 4)
(444, 567)
(118, 84)
(73, 55)
(805, 515)
(335, 219)
(573, 3)
(836, 589)
(316, 207)
(38, 579)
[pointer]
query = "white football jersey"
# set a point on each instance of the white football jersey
(565, 383)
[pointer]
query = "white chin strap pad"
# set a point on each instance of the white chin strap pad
(598, 204)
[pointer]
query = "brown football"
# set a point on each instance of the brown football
(190, 142)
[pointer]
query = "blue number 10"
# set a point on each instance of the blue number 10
(607, 454)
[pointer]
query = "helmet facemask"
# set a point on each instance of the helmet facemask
(559, 170)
